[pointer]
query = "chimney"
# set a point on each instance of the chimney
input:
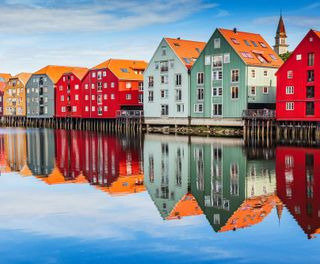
(178, 38)
(235, 31)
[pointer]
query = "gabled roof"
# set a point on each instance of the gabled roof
(187, 206)
(79, 72)
(54, 72)
(23, 77)
(281, 30)
(124, 69)
(252, 48)
(5, 76)
(187, 50)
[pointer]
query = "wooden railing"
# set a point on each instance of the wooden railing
(129, 114)
(259, 114)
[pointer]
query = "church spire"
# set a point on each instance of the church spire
(281, 46)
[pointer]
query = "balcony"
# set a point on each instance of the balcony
(263, 114)
(129, 114)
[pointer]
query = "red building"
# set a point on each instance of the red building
(111, 86)
(298, 82)
(298, 185)
(69, 93)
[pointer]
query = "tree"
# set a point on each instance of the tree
(285, 56)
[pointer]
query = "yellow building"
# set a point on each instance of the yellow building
(15, 95)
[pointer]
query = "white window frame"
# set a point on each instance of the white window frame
(290, 89)
(289, 106)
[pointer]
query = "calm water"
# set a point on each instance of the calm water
(81, 197)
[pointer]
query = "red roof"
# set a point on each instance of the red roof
(281, 30)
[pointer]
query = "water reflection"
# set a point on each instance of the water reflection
(231, 186)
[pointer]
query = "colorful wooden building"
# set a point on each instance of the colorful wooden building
(298, 181)
(69, 98)
(15, 95)
(4, 77)
(235, 71)
(112, 86)
(167, 81)
(41, 91)
(298, 82)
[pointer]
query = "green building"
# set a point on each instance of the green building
(235, 71)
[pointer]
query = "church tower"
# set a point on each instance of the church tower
(281, 45)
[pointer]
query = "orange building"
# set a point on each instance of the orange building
(4, 77)
(15, 95)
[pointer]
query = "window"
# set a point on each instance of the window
(226, 58)
(234, 92)
(105, 85)
(310, 91)
(200, 94)
(128, 96)
(128, 85)
(76, 97)
(105, 108)
(310, 75)
(150, 81)
(99, 75)
(290, 90)
(263, 45)
(164, 51)
(87, 108)
(93, 97)
(217, 109)
(104, 74)
(180, 108)
(86, 97)
(200, 78)
(178, 94)
(92, 86)
(247, 55)
(265, 73)
(164, 110)
(140, 98)
(253, 91)
(140, 86)
(171, 64)
(235, 41)
(247, 43)
(290, 106)
(86, 86)
(164, 66)
(178, 79)
(253, 74)
(216, 91)
(93, 75)
(156, 65)
(289, 74)
(112, 85)
(74, 109)
(99, 98)
(254, 43)
(112, 96)
(310, 59)
(105, 97)
(298, 57)
(217, 61)
(93, 108)
(234, 75)
(46, 109)
(310, 108)
(150, 96)
(265, 90)
(207, 60)
(76, 86)
(62, 98)
(272, 56)
(60, 88)
(99, 88)
(216, 43)
(198, 108)
(217, 75)
(164, 94)
(164, 79)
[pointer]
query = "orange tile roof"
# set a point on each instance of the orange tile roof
(187, 206)
(251, 212)
(23, 77)
(250, 53)
(124, 69)
(25, 171)
(187, 50)
(316, 32)
(55, 72)
(79, 72)
(5, 76)
(56, 177)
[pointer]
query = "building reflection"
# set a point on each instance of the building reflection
(167, 180)
(298, 182)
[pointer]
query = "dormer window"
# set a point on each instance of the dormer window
(273, 57)
(254, 43)
(247, 43)
(263, 45)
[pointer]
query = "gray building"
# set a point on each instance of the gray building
(41, 93)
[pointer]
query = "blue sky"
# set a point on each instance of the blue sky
(85, 32)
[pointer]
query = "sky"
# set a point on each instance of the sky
(37, 33)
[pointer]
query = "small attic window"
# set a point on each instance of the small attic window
(254, 43)
(263, 45)
(235, 41)
(273, 57)
(176, 44)
(247, 43)
(247, 55)
(125, 70)
(187, 60)
(261, 58)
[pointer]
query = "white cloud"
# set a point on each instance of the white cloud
(107, 16)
